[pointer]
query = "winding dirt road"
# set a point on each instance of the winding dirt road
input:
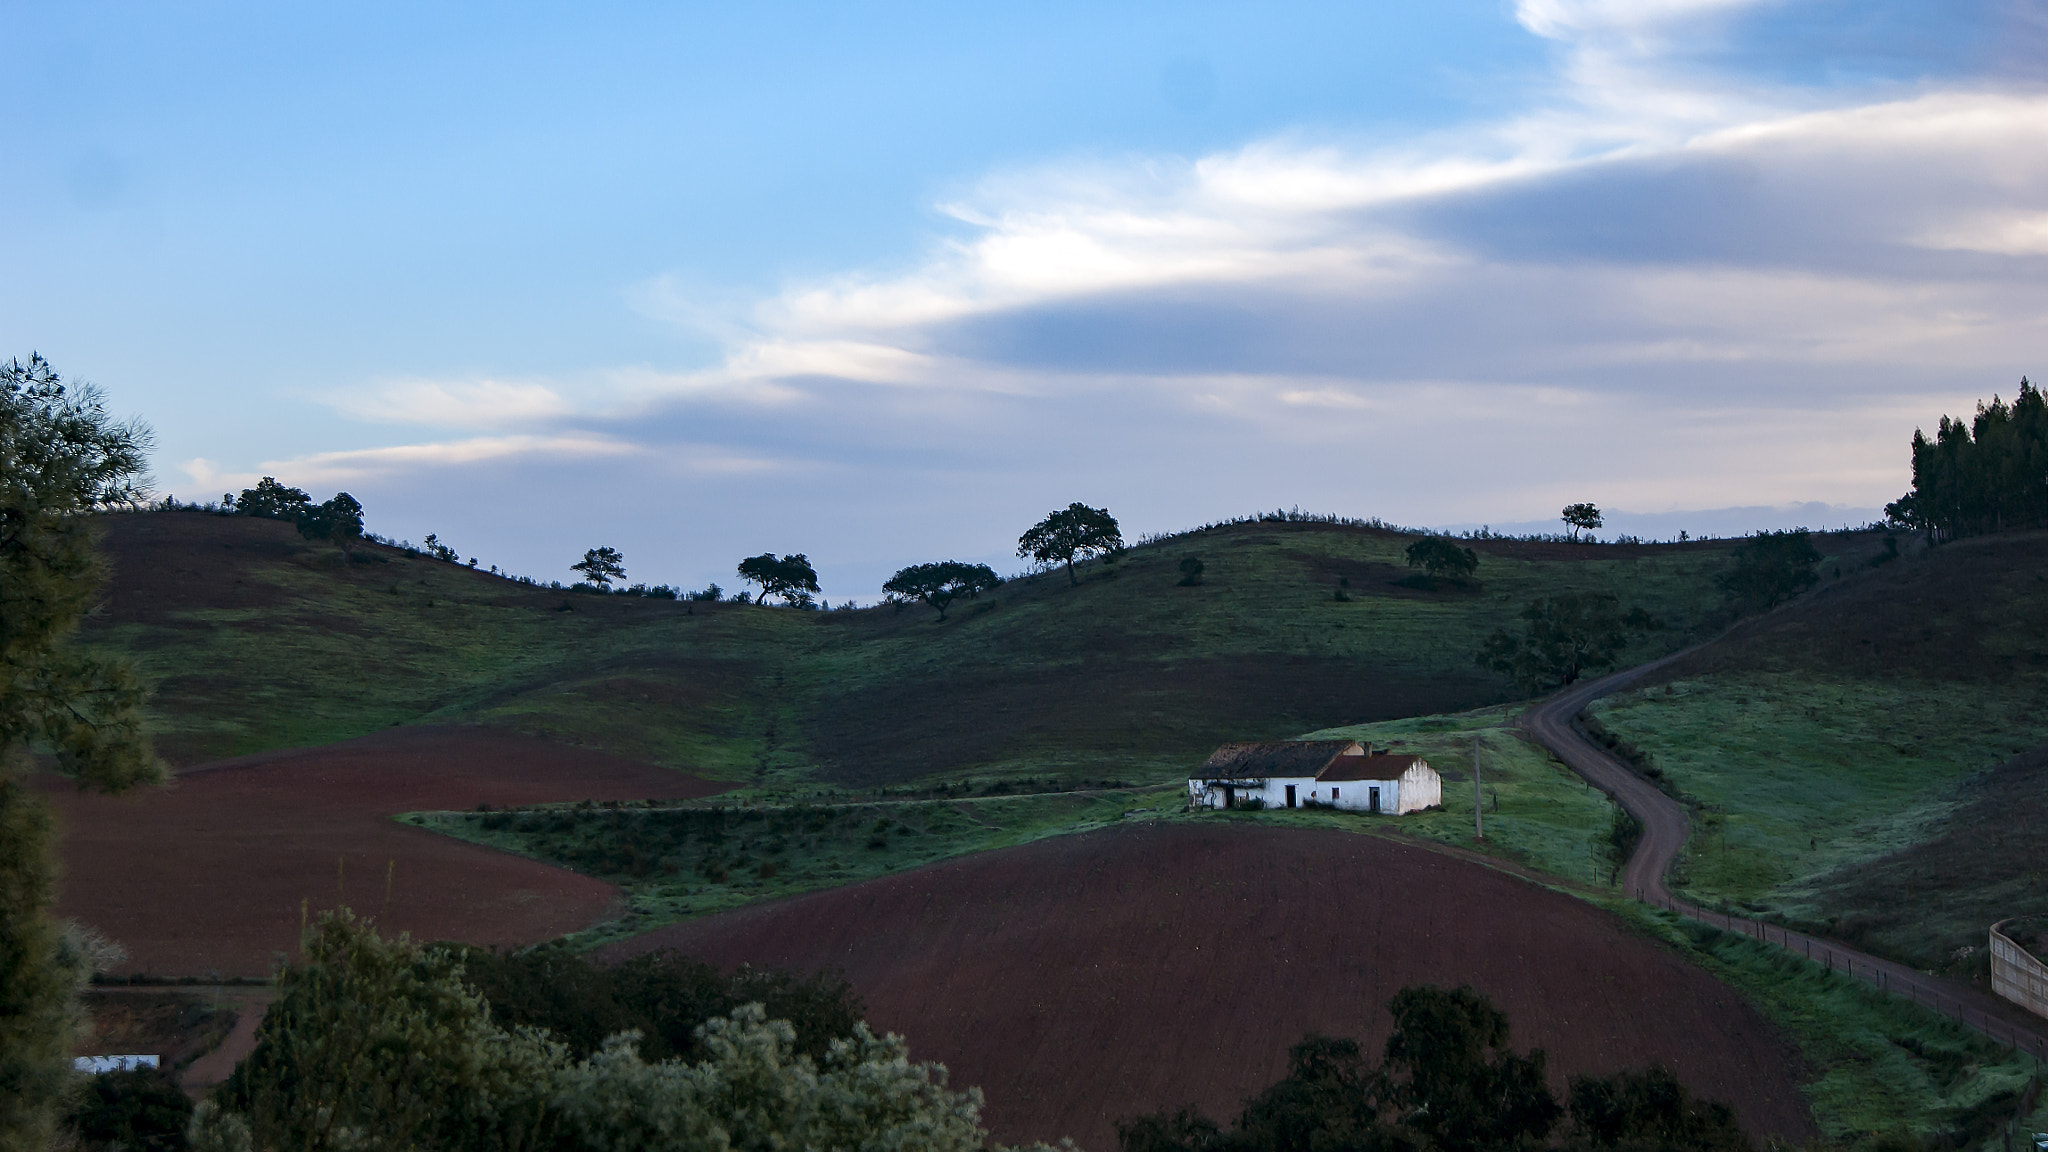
(1665, 828)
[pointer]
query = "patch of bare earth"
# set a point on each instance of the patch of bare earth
(208, 876)
(1085, 978)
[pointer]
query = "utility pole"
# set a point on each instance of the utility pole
(1478, 794)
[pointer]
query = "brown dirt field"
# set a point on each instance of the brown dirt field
(1085, 978)
(206, 876)
(178, 1026)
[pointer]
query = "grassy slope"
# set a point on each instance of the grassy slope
(1828, 739)
(256, 640)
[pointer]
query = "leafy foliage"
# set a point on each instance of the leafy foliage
(1190, 571)
(1772, 567)
(663, 995)
(1074, 532)
(1565, 637)
(1985, 476)
(941, 583)
(1441, 556)
(378, 1044)
(61, 458)
(273, 500)
(601, 566)
(1447, 1083)
(1581, 518)
(339, 519)
(790, 577)
(142, 1110)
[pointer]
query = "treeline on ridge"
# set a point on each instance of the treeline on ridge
(1988, 475)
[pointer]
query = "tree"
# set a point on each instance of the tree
(1650, 1110)
(1581, 516)
(339, 520)
(378, 1044)
(62, 458)
(1076, 531)
(791, 577)
(1773, 566)
(1190, 571)
(273, 500)
(1441, 556)
(1449, 1069)
(1987, 475)
(941, 583)
(600, 566)
(1564, 637)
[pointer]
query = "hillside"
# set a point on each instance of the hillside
(256, 640)
(1828, 739)
(1089, 977)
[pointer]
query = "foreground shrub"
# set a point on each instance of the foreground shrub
(378, 1045)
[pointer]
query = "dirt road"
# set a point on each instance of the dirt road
(1665, 828)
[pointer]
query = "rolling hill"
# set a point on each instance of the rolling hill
(256, 640)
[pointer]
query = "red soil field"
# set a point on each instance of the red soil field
(207, 875)
(1084, 978)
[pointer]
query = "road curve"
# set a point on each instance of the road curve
(1665, 828)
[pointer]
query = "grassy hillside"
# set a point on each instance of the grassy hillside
(257, 640)
(1827, 741)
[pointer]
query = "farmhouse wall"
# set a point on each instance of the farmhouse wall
(2016, 974)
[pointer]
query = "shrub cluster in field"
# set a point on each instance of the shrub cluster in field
(712, 843)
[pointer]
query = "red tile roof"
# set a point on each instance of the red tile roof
(1368, 768)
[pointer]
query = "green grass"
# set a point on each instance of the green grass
(676, 863)
(1885, 1067)
(256, 640)
(1801, 774)
(1538, 812)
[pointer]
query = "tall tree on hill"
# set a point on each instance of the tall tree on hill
(1988, 475)
(1563, 638)
(273, 500)
(790, 577)
(941, 583)
(601, 566)
(1074, 532)
(61, 459)
(1581, 517)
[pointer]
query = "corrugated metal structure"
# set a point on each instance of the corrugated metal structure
(2017, 974)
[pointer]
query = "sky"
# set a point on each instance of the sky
(886, 283)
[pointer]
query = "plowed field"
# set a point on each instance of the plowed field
(1088, 977)
(207, 875)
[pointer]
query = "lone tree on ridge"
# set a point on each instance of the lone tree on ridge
(791, 577)
(941, 583)
(1076, 531)
(1581, 517)
(600, 566)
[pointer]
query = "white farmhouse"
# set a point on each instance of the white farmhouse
(1292, 773)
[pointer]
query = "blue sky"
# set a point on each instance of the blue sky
(884, 283)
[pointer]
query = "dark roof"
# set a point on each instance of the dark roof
(1274, 758)
(1381, 767)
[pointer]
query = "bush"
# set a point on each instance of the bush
(142, 1111)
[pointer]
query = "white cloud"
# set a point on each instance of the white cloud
(357, 464)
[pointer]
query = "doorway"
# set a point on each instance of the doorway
(1372, 800)
(1290, 795)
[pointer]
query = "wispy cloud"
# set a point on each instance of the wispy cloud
(344, 467)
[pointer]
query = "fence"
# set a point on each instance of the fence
(1895, 979)
(2017, 975)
